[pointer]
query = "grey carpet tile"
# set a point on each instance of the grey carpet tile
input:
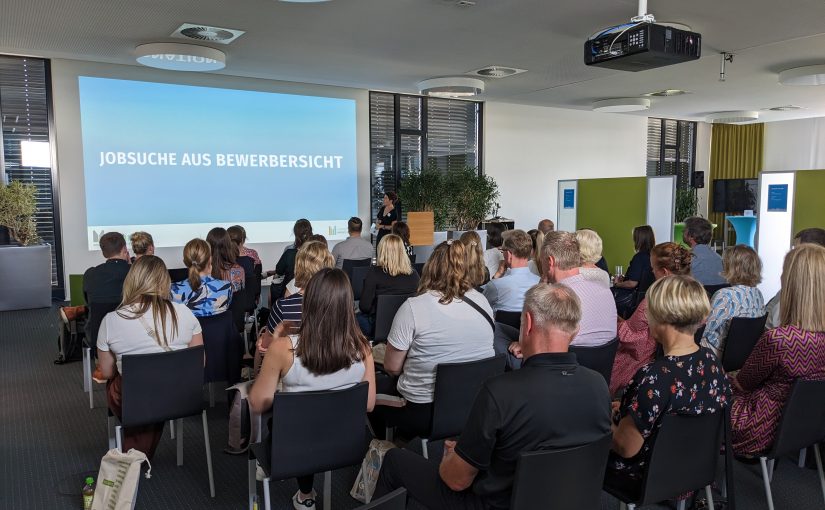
(50, 440)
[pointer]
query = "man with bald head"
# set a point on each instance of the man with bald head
(546, 226)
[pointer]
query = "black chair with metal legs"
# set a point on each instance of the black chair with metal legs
(395, 500)
(224, 351)
(349, 264)
(312, 432)
(512, 319)
(683, 458)
(385, 308)
(97, 311)
(802, 425)
(160, 387)
(599, 358)
(569, 477)
(743, 334)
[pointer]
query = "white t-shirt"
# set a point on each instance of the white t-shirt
(129, 336)
(433, 333)
(492, 259)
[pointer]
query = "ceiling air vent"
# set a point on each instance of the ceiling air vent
(496, 72)
(206, 33)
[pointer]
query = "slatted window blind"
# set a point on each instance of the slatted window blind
(27, 150)
(671, 149)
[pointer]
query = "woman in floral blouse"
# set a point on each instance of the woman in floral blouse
(688, 379)
(201, 293)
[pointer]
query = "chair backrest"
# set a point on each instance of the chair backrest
(240, 306)
(385, 308)
(512, 319)
(162, 386)
(419, 267)
(252, 275)
(395, 500)
(743, 334)
(351, 263)
(803, 418)
(178, 274)
(697, 337)
(456, 386)
(224, 348)
(357, 281)
(599, 358)
(711, 289)
(569, 477)
(683, 457)
(97, 311)
(317, 431)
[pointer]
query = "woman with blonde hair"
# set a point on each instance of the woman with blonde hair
(447, 322)
(392, 274)
(146, 322)
(743, 271)
(538, 240)
(793, 350)
(590, 247)
(202, 293)
(142, 244)
(476, 269)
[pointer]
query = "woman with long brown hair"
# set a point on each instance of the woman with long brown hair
(146, 322)
(224, 256)
(327, 353)
(476, 269)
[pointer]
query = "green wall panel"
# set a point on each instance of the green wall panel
(612, 207)
(809, 206)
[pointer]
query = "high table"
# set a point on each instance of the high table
(745, 228)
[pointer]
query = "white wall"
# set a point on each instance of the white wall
(703, 140)
(77, 257)
(528, 149)
(795, 145)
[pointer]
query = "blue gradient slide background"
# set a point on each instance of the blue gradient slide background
(121, 115)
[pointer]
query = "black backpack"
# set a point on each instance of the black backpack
(70, 340)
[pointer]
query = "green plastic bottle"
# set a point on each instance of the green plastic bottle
(88, 493)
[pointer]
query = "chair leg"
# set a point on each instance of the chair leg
(110, 427)
(767, 481)
(180, 441)
(252, 489)
(681, 505)
(119, 438)
(803, 456)
(771, 465)
(208, 455)
(171, 429)
(211, 394)
(709, 494)
(266, 494)
(87, 369)
(328, 490)
(425, 448)
(388, 433)
(818, 457)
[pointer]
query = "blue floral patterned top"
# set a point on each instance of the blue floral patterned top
(211, 298)
(727, 303)
(690, 384)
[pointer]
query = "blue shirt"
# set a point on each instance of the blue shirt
(212, 297)
(507, 293)
(706, 266)
(727, 303)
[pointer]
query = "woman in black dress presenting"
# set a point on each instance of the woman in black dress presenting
(387, 215)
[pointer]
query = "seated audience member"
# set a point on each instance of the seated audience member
(327, 353)
(643, 242)
(238, 235)
(142, 244)
(551, 403)
(201, 292)
(637, 347)
(493, 259)
(448, 322)
(224, 259)
(476, 268)
(319, 238)
(392, 274)
(688, 379)
(387, 215)
(590, 246)
(285, 268)
(507, 293)
(793, 350)
(538, 239)
(561, 260)
(743, 271)
(545, 226)
(402, 230)
(104, 283)
(707, 264)
(146, 322)
(312, 257)
(808, 235)
(353, 247)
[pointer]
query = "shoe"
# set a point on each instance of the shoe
(71, 313)
(303, 505)
(259, 472)
(97, 376)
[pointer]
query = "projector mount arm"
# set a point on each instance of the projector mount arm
(643, 16)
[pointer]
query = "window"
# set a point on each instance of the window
(671, 149)
(25, 132)
(408, 132)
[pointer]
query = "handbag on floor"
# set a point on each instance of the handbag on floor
(117, 481)
(364, 486)
(243, 427)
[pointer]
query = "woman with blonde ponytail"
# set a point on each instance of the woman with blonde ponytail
(146, 322)
(447, 322)
(202, 293)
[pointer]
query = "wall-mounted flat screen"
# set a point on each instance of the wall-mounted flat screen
(734, 195)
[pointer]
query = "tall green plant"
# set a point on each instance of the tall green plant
(18, 205)
(687, 204)
(472, 197)
(424, 190)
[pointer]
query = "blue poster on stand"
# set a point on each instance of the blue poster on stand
(777, 198)
(569, 198)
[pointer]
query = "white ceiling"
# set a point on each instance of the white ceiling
(393, 44)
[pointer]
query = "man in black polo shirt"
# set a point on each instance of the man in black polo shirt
(550, 403)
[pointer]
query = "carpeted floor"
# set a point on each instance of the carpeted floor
(50, 440)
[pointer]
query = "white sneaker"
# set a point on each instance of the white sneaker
(259, 472)
(303, 505)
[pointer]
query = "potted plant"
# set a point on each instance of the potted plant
(422, 195)
(18, 205)
(472, 199)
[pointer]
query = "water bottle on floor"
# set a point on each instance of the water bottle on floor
(88, 493)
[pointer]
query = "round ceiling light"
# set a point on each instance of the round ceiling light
(456, 86)
(180, 57)
(622, 105)
(808, 75)
(736, 117)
